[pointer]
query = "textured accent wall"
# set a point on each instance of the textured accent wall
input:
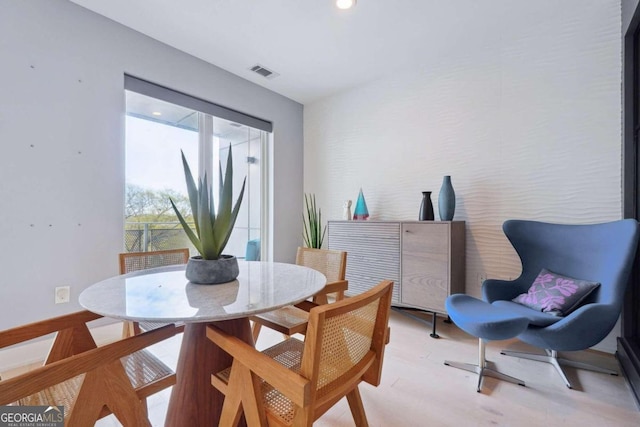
(528, 127)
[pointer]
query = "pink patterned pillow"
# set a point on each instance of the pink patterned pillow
(555, 294)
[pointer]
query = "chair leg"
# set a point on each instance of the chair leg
(255, 331)
(552, 358)
(482, 369)
(357, 409)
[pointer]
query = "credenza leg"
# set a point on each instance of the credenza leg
(433, 331)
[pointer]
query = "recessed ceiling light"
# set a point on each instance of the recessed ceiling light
(345, 4)
(157, 113)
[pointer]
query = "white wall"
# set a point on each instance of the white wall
(628, 7)
(62, 136)
(529, 127)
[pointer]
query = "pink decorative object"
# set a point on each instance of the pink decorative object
(555, 294)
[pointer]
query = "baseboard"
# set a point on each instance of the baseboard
(629, 358)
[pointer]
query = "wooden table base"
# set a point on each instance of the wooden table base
(194, 401)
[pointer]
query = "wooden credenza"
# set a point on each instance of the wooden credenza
(425, 259)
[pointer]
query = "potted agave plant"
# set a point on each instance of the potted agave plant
(212, 230)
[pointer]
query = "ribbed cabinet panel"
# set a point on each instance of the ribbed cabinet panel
(373, 253)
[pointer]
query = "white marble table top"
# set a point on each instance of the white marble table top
(164, 295)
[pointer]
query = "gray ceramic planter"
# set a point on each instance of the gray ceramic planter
(212, 271)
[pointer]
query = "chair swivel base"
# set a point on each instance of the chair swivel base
(552, 358)
(482, 369)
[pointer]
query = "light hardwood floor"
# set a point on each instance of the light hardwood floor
(419, 390)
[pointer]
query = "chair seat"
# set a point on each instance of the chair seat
(145, 371)
(484, 320)
(289, 354)
(287, 320)
(536, 318)
(62, 394)
(293, 320)
(150, 326)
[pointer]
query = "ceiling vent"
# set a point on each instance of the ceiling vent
(264, 72)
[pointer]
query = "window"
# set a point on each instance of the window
(159, 124)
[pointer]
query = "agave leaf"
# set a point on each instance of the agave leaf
(226, 192)
(308, 231)
(314, 217)
(192, 191)
(212, 212)
(190, 234)
(220, 187)
(305, 232)
(208, 239)
(313, 221)
(234, 215)
(321, 231)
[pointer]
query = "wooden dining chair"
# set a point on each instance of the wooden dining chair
(89, 381)
(293, 319)
(295, 382)
(136, 261)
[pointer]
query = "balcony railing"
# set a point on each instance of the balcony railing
(158, 236)
(155, 236)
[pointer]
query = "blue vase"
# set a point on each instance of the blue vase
(446, 200)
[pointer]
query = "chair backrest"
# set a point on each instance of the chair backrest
(345, 341)
(134, 261)
(597, 252)
(333, 264)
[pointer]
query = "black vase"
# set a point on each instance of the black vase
(426, 207)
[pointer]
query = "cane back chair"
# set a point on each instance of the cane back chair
(293, 319)
(90, 382)
(295, 382)
(136, 261)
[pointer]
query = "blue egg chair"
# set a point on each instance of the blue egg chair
(603, 253)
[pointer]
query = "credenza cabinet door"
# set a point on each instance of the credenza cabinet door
(433, 263)
(425, 265)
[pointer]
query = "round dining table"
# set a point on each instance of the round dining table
(164, 295)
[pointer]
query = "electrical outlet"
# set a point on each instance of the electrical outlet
(62, 294)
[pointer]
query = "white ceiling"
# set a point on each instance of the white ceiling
(316, 48)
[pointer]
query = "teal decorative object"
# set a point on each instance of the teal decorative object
(361, 212)
(446, 200)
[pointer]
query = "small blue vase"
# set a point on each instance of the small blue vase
(446, 200)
